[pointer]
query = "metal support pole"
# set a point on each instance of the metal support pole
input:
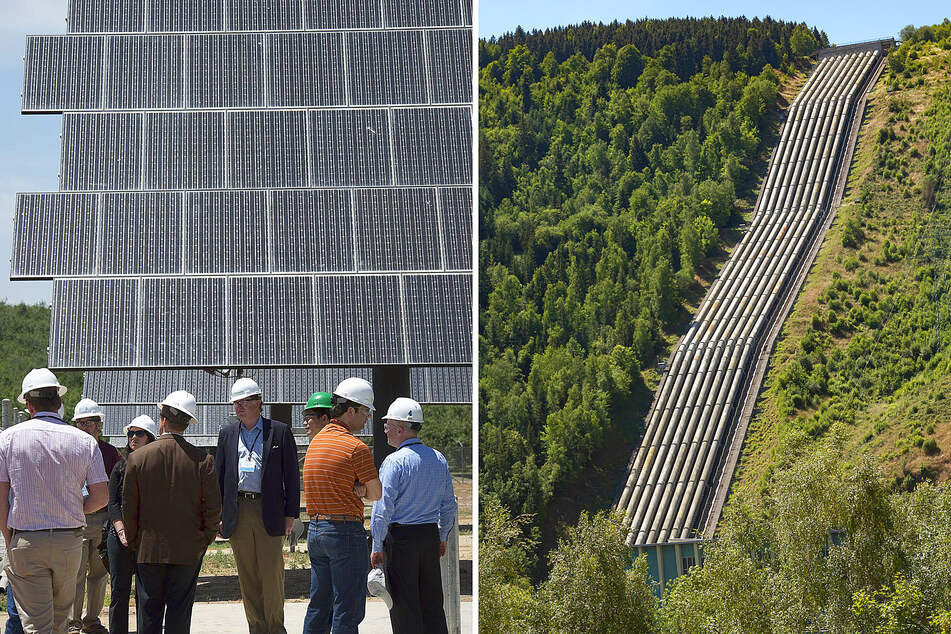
(449, 570)
(389, 382)
(7, 412)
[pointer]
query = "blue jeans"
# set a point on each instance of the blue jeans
(13, 624)
(339, 563)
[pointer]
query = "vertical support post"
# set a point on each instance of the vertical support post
(661, 578)
(449, 571)
(281, 412)
(7, 412)
(389, 382)
(680, 561)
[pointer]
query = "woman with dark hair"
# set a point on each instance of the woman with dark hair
(140, 432)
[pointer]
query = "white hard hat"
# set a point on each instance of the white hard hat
(243, 388)
(182, 401)
(142, 422)
(356, 390)
(88, 408)
(405, 409)
(37, 379)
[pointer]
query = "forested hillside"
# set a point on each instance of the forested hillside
(24, 336)
(608, 181)
(835, 524)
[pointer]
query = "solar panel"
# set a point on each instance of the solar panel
(455, 208)
(226, 231)
(99, 312)
(312, 230)
(61, 73)
(51, 237)
(92, 16)
(272, 321)
(96, 151)
(182, 321)
(342, 14)
(259, 183)
(143, 72)
(184, 15)
(397, 229)
(264, 15)
(279, 385)
(184, 150)
(268, 148)
(306, 69)
(386, 67)
(350, 147)
(429, 384)
(410, 13)
(139, 234)
(450, 55)
(432, 146)
(439, 318)
(225, 71)
(358, 320)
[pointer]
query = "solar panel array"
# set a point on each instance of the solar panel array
(248, 184)
(435, 384)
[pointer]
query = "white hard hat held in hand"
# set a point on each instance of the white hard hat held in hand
(37, 379)
(356, 390)
(88, 408)
(243, 388)
(182, 401)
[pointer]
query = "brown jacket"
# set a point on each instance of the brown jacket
(171, 505)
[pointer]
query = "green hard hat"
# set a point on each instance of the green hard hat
(318, 400)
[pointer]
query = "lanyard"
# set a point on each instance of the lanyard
(250, 447)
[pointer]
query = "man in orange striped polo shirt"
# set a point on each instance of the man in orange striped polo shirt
(338, 469)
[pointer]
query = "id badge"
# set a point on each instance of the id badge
(246, 468)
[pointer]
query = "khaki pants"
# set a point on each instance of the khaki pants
(260, 561)
(92, 577)
(42, 570)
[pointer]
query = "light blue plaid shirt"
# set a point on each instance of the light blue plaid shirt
(417, 489)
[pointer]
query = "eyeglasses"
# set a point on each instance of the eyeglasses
(137, 433)
(247, 401)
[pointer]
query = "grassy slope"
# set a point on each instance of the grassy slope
(886, 425)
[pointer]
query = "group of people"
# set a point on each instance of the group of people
(64, 491)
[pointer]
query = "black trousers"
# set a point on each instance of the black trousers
(121, 570)
(411, 566)
(165, 590)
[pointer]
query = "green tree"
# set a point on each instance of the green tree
(593, 587)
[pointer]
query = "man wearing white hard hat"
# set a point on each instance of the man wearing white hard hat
(43, 465)
(336, 465)
(410, 523)
(259, 479)
(171, 507)
(91, 581)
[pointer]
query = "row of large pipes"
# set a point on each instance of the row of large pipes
(677, 463)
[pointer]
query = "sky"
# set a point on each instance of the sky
(29, 145)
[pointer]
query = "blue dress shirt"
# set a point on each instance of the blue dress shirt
(250, 456)
(417, 489)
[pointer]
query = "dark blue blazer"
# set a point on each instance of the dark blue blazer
(280, 476)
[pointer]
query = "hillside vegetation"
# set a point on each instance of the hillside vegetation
(612, 181)
(834, 525)
(867, 344)
(24, 336)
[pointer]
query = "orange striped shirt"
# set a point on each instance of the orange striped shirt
(335, 461)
